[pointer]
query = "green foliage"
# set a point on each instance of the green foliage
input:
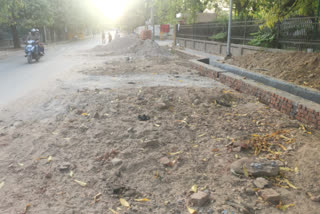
(222, 37)
(168, 9)
(263, 39)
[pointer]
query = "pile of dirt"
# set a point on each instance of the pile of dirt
(297, 67)
(96, 150)
(150, 48)
(132, 45)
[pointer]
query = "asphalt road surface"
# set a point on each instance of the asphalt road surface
(18, 78)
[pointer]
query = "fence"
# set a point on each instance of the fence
(294, 33)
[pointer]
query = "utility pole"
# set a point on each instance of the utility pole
(152, 19)
(316, 29)
(229, 31)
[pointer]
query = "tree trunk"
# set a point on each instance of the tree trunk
(15, 36)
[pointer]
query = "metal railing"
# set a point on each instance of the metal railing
(294, 33)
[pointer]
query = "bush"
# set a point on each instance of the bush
(263, 39)
(222, 37)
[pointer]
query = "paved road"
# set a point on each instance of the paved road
(18, 78)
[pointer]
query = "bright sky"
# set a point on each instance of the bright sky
(111, 9)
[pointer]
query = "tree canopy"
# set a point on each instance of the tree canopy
(271, 11)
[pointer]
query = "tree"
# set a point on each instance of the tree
(10, 12)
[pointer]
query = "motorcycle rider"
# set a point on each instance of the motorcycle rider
(34, 35)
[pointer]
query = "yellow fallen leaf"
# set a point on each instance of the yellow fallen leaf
(194, 188)
(303, 127)
(1, 184)
(113, 211)
(175, 153)
(195, 146)
(20, 164)
(81, 183)
(124, 203)
(282, 147)
(49, 158)
(201, 135)
(227, 92)
(284, 207)
(142, 200)
(71, 174)
(180, 80)
(309, 132)
(290, 184)
(85, 114)
(287, 169)
(157, 125)
(191, 211)
(26, 208)
(245, 171)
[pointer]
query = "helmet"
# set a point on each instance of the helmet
(33, 30)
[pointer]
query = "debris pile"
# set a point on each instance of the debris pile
(132, 45)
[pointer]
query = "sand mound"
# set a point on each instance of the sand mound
(296, 67)
(132, 45)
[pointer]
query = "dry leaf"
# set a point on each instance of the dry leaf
(175, 153)
(215, 150)
(124, 203)
(40, 158)
(1, 184)
(284, 207)
(26, 208)
(49, 158)
(81, 183)
(96, 197)
(156, 174)
(290, 184)
(20, 164)
(85, 114)
(245, 171)
(71, 174)
(202, 135)
(282, 147)
(142, 200)
(113, 211)
(194, 188)
(191, 211)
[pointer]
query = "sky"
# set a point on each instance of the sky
(111, 9)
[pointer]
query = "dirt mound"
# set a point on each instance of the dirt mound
(150, 48)
(132, 45)
(296, 67)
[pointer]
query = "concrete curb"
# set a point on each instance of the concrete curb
(300, 91)
(296, 106)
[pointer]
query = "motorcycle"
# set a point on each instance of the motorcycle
(32, 51)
